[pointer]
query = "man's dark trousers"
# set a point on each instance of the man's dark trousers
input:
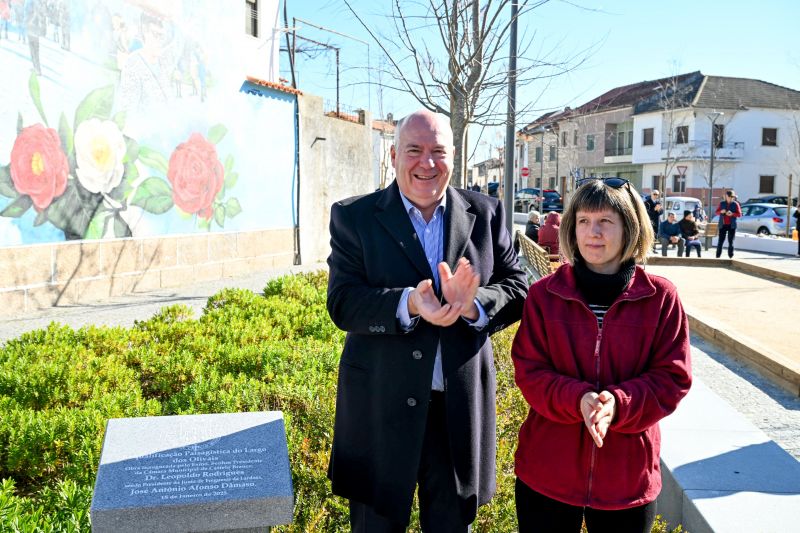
(730, 233)
(439, 503)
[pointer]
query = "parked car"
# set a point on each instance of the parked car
(679, 204)
(763, 219)
(771, 199)
(526, 200)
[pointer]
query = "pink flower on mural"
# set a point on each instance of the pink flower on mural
(196, 175)
(39, 167)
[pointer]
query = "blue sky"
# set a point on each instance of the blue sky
(634, 40)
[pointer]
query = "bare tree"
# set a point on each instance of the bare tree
(451, 55)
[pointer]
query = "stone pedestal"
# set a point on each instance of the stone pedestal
(193, 473)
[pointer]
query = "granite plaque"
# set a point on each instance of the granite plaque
(192, 473)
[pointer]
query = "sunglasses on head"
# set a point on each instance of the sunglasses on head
(615, 183)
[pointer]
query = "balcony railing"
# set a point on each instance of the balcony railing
(702, 150)
(612, 151)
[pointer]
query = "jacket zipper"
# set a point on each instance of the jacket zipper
(597, 386)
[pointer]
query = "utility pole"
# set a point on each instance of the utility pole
(508, 181)
(713, 116)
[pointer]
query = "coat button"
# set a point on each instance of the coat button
(416, 354)
(411, 402)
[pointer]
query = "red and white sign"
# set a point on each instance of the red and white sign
(526, 172)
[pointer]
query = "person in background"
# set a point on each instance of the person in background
(421, 273)
(669, 232)
(548, 234)
(654, 209)
(797, 228)
(728, 210)
(532, 226)
(601, 355)
(689, 232)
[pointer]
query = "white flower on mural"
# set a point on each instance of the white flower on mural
(99, 150)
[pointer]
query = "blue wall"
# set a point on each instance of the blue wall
(134, 121)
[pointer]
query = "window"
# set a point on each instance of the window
(575, 137)
(756, 210)
(719, 135)
(769, 136)
(682, 135)
(538, 157)
(251, 17)
(552, 182)
(589, 143)
(766, 184)
(647, 137)
(656, 182)
(563, 138)
(552, 153)
(678, 183)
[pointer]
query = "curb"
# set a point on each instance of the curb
(776, 366)
(735, 264)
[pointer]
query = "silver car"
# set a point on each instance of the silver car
(763, 219)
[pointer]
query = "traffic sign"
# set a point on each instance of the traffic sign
(526, 172)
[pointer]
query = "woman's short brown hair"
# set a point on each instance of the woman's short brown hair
(595, 195)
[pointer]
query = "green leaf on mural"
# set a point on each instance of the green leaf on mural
(119, 119)
(97, 226)
(131, 173)
(153, 159)
(19, 123)
(121, 191)
(216, 133)
(228, 163)
(121, 228)
(132, 151)
(65, 133)
(232, 207)
(231, 179)
(219, 215)
(154, 196)
(97, 104)
(74, 210)
(41, 218)
(6, 184)
(33, 86)
(204, 224)
(18, 207)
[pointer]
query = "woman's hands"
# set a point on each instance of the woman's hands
(598, 412)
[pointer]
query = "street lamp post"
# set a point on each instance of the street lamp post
(714, 116)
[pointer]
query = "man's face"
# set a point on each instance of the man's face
(654, 196)
(671, 218)
(423, 160)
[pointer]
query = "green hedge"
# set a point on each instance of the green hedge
(276, 351)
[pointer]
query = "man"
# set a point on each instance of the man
(670, 233)
(728, 210)
(416, 394)
(654, 209)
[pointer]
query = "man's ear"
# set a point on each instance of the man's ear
(393, 154)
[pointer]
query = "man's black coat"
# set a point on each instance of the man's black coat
(385, 373)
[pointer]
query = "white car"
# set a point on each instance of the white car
(763, 219)
(679, 204)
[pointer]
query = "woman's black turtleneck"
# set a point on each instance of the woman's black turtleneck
(600, 290)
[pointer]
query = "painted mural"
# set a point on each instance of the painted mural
(125, 118)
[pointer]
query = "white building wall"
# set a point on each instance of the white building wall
(751, 160)
(259, 55)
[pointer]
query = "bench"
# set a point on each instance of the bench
(711, 230)
(539, 262)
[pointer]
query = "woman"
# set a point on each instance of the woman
(601, 355)
(728, 210)
(548, 234)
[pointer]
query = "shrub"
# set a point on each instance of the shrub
(248, 352)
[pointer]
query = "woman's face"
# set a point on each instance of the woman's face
(599, 235)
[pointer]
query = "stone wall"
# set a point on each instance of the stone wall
(40, 276)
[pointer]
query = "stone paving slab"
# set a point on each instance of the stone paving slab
(751, 316)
